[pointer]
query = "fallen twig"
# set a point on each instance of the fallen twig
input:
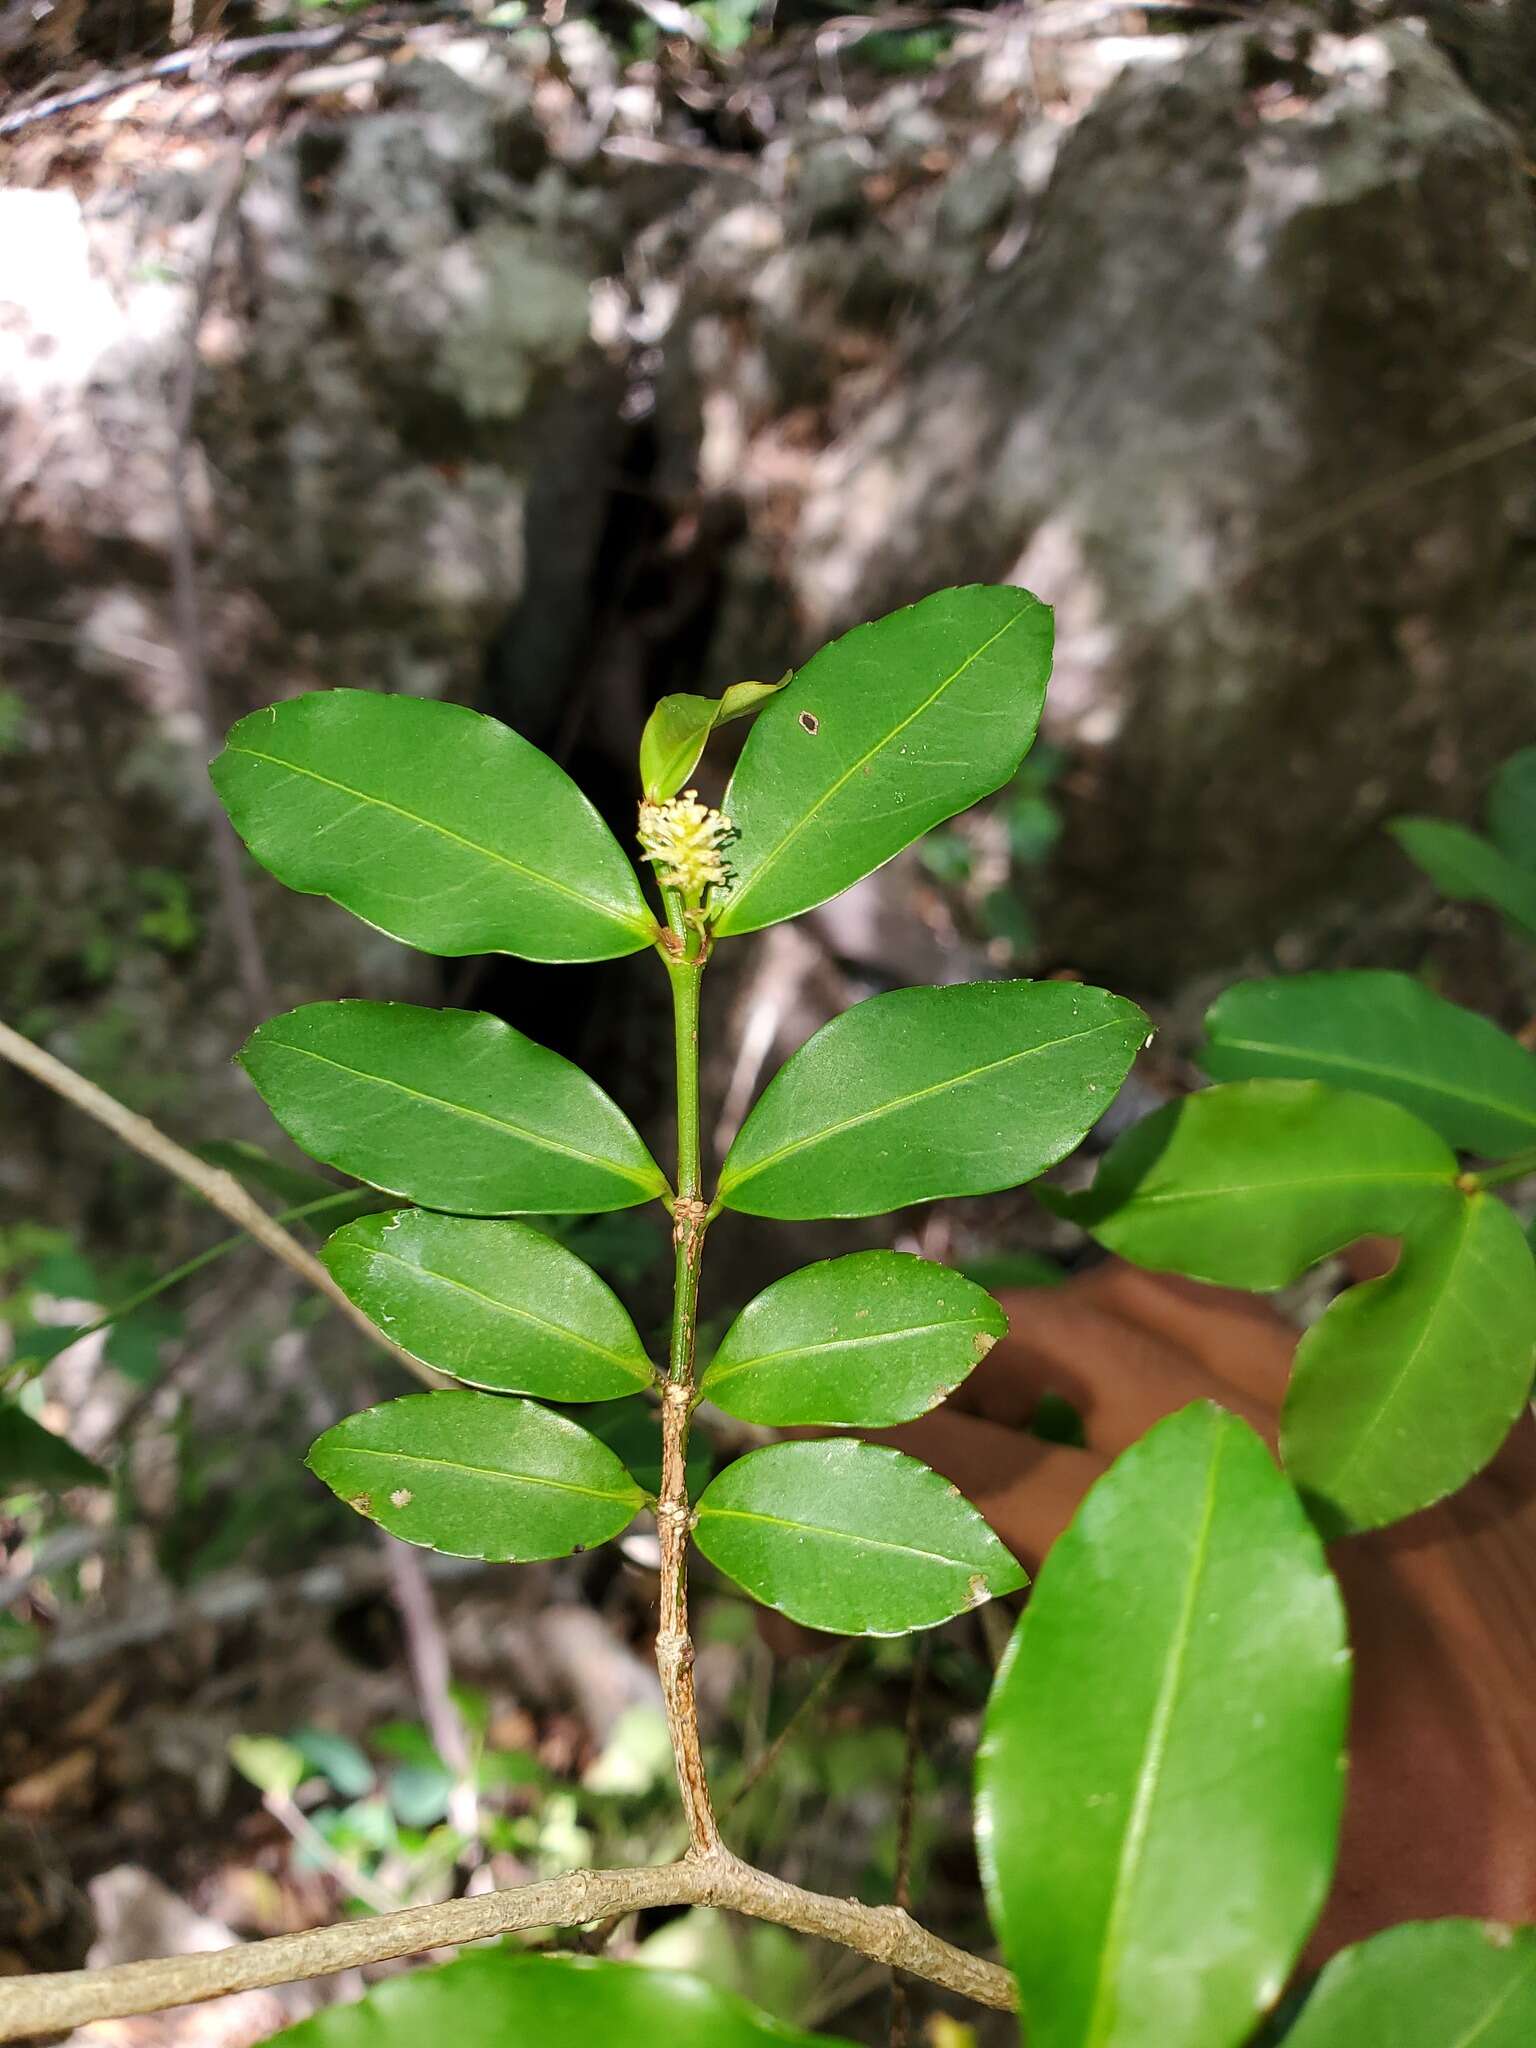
(73, 1998)
(219, 1189)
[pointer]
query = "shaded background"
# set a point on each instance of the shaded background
(552, 358)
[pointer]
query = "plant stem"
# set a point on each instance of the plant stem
(674, 1646)
(219, 1189)
(1508, 1169)
(71, 1998)
(185, 1271)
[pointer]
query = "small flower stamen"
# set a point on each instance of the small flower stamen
(684, 838)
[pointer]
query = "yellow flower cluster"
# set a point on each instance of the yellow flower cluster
(683, 838)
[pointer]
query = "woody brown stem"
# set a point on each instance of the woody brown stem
(690, 1219)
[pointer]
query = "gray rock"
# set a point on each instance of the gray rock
(1237, 410)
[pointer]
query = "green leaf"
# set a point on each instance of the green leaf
(1384, 1034)
(1469, 869)
(884, 733)
(478, 1475)
(852, 1537)
(1511, 811)
(496, 1998)
(1161, 1771)
(1429, 1984)
(33, 1456)
(494, 1304)
(448, 1107)
(678, 730)
(441, 827)
(1250, 1184)
(873, 1339)
(1409, 1384)
(273, 1766)
(932, 1091)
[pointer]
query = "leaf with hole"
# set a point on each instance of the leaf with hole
(450, 1108)
(678, 730)
(1428, 1984)
(438, 825)
(493, 1304)
(1383, 1034)
(1161, 1772)
(852, 1537)
(478, 1475)
(1408, 1384)
(874, 1338)
(932, 1091)
(1249, 1184)
(496, 1998)
(883, 734)
(1469, 868)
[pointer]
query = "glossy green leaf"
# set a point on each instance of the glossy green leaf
(1161, 1771)
(932, 1091)
(1249, 1184)
(438, 825)
(1409, 1384)
(1428, 1984)
(33, 1456)
(448, 1107)
(677, 731)
(884, 733)
(494, 1304)
(1511, 809)
(852, 1537)
(495, 1998)
(874, 1338)
(1469, 869)
(478, 1475)
(1384, 1034)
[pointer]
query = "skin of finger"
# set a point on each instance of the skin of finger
(1238, 1339)
(1441, 1814)
(1083, 1341)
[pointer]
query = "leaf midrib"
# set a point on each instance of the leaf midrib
(708, 1509)
(479, 1471)
(894, 1107)
(639, 1372)
(1153, 1758)
(864, 1342)
(521, 868)
(1165, 1198)
(462, 1109)
(1481, 2025)
(1349, 1064)
(771, 859)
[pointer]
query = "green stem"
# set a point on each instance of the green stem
(185, 1271)
(690, 1217)
(1508, 1169)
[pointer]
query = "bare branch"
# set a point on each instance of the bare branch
(884, 1933)
(219, 1189)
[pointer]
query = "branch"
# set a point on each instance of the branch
(219, 1189)
(73, 1998)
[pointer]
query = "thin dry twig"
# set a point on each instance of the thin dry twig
(219, 1189)
(73, 1998)
(901, 2004)
(426, 1652)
